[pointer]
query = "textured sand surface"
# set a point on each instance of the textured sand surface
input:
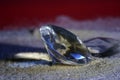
(16, 41)
(99, 69)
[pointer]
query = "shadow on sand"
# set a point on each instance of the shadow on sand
(8, 51)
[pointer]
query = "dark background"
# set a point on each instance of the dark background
(16, 13)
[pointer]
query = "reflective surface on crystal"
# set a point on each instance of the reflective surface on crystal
(63, 46)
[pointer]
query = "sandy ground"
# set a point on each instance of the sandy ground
(99, 69)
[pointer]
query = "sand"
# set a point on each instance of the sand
(99, 69)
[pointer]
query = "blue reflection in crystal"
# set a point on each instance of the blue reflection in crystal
(77, 56)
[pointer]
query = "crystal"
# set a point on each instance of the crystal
(63, 46)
